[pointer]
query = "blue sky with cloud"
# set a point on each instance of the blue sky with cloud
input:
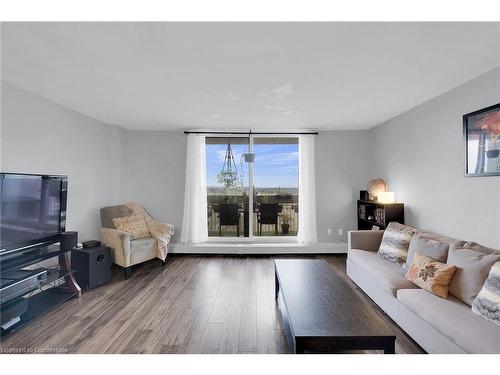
(275, 165)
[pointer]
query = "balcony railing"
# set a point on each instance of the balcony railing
(287, 208)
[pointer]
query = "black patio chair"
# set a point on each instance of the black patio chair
(229, 215)
(268, 215)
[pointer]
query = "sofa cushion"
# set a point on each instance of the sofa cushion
(395, 242)
(429, 244)
(389, 276)
(454, 320)
(143, 249)
(431, 275)
(487, 302)
(473, 263)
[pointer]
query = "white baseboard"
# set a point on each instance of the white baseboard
(260, 248)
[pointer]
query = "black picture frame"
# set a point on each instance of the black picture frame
(480, 161)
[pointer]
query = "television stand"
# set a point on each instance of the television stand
(26, 295)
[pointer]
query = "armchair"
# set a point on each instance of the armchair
(127, 252)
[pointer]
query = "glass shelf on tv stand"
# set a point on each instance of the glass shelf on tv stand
(47, 296)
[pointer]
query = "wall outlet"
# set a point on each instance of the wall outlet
(329, 231)
(341, 231)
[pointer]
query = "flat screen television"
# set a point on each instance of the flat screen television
(32, 209)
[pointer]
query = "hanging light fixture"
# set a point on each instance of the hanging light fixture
(249, 157)
(228, 176)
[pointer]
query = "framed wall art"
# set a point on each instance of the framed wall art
(482, 142)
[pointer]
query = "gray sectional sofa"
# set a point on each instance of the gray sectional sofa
(438, 325)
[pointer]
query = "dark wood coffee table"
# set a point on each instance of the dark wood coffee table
(322, 313)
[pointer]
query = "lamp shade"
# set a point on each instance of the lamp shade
(386, 197)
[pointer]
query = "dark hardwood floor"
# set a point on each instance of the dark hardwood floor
(195, 304)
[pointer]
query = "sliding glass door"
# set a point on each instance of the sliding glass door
(276, 186)
(252, 199)
(227, 187)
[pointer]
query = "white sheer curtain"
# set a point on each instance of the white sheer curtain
(194, 223)
(307, 191)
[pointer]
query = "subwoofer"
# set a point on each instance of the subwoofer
(92, 266)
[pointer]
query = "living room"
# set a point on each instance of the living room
(199, 187)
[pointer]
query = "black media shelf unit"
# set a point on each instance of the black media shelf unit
(58, 287)
(372, 213)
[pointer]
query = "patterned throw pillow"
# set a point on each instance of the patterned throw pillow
(431, 275)
(135, 225)
(487, 302)
(395, 242)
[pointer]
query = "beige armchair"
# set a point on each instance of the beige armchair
(124, 251)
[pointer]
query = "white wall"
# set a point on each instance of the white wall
(342, 166)
(39, 136)
(155, 165)
(421, 155)
(105, 164)
(154, 173)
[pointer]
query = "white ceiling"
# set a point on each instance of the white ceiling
(245, 75)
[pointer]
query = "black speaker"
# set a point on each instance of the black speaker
(92, 266)
(364, 196)
(69, 240)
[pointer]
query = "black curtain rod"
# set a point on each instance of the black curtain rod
(255, 133)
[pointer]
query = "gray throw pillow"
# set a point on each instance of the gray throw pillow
(395, 242)
(487, 302)
(429, 244)
(473, 263)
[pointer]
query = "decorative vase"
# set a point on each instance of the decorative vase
(375, 186)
